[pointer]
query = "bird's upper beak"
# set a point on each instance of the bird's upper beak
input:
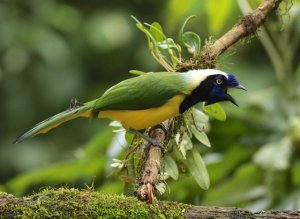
(239, 87)
(230, 98)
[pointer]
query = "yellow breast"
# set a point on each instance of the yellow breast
(142, 119)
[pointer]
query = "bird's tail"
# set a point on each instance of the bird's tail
(75, 110)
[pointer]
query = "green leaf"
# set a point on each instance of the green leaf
(170, 167)
(193, 42)
(201, 136)
(171, 144)
(190, 40)
(129, 137)
(216, 111)
(167, 44)
(180, 34)
(200, 119)
(157, 32)
(197, 168)
(145, 30)
(137, 72)
(157, 42)
(135, 19)
(199, 116)
(186, 141)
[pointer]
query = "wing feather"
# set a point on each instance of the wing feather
(149, 90)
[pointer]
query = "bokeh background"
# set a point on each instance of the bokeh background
(52, 51)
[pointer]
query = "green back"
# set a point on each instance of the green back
(149, 90)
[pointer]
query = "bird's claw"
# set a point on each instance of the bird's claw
(152, 141)
(156, 143)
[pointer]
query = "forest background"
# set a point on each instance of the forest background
(52, 51)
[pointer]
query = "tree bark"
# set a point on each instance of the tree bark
(72, 203)
(234, 213)
(246, 26)
(150, 167)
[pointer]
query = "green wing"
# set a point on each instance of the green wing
(149, 90)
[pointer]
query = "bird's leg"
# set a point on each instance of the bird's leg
(164, 129)
(147, 138)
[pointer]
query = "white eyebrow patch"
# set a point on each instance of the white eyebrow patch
(208, 72)
(196, 76)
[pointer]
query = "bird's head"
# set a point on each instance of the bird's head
(211, 86)
(217, 86)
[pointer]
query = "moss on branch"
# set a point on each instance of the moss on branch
(72, 203)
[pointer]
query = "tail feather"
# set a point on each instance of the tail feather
(83, 110)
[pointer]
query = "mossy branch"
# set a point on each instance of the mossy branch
(246, 26)
(72, 203)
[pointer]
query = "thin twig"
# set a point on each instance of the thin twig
(245, 27)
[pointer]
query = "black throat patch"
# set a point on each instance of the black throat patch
(200, 94)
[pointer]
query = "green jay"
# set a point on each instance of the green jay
(148, 100)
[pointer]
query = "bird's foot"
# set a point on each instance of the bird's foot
(152, 141)
(157, 143)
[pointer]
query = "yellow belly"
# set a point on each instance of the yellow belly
(142, 119)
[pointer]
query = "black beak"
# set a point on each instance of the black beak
(230, 98)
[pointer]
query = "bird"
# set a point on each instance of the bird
(147, 100)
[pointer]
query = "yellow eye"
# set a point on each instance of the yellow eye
(219, 81)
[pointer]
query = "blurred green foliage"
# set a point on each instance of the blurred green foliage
(52, 51)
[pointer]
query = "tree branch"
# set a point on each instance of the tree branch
(246, 26)
(150, 167)
(72, 203)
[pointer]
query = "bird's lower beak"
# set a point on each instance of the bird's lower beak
(231, 99)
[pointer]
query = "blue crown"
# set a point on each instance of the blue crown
(232, 81)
